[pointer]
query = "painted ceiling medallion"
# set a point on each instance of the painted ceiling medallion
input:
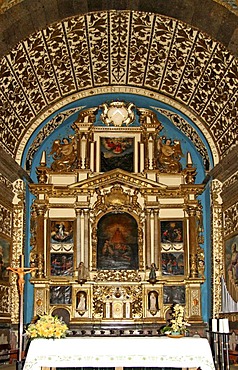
(118, 113)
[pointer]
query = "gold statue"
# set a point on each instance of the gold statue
(64, 154)
(169, 155)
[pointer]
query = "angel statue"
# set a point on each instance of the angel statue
(169, 155)
(64, 154)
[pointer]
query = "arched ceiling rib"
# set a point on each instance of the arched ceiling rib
(123, 48)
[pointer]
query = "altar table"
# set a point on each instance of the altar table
(184, 352)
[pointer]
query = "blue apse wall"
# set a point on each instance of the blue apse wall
(169, 130)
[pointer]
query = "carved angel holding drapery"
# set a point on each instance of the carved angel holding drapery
(169, 155)
(64, 154)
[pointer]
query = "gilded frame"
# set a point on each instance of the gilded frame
(61, 242)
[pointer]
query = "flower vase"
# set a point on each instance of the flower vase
(176, 334)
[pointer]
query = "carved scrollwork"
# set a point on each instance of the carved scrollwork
(117, 275)
(117, 296)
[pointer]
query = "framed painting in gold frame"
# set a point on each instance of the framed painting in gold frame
(61, 241)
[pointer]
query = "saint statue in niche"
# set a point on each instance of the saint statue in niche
(153, 302)
(81, 302)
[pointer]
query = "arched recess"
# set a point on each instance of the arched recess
(146, 54)
(175, 125)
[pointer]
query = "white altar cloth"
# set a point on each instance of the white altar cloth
(120, 352)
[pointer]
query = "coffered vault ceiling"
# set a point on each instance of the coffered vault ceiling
(92, 53)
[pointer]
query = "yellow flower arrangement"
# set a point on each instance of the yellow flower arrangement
(177, 324)
(47, 326)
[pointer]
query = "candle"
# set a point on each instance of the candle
(214, 324)
(226, 326)
(43, 158)
(189, 159)
(221, 330)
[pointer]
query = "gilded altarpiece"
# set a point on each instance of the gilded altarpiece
(116, 222)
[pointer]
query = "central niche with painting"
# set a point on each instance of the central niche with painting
(117, 152)
(117, 244)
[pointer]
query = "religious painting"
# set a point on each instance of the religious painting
(172, 263)
(231, 265)
(174, 294)
(172, 250)
(62, 232)
(4, 258)
(61, 264)
(171, 231)
(117, 152)
(61, 247)
(117, 242)
(60, 295)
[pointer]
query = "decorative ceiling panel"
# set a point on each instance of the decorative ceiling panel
(77, 41)
(119, 43)
(37, 54)
(126, 48)
(97, 29)
(138, 50)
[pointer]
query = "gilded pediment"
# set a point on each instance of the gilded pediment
(120, 177)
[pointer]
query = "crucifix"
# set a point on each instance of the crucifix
(21, 272)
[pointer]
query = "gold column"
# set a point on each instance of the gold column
(193, 242)
(217, 245)
(78, 235)
(156, 238)
(86, 237)
(40, 210)
(148, 237)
